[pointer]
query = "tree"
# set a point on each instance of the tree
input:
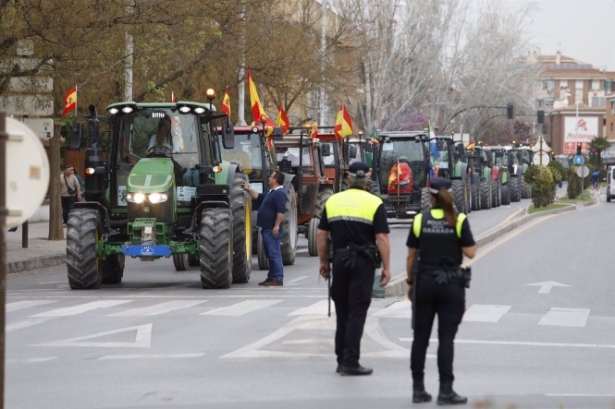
(600, 144)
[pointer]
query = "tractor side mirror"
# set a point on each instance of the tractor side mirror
(326, 149)
(228, 135)
(277, 134)
(352, 152)
(76, 136)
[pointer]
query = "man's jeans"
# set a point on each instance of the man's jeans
(274, 254)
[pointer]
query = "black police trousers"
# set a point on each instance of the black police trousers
(351, 291)
(448, 302)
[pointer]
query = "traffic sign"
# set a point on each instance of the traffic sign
(578, 160)
(582, 171)
(538, 156)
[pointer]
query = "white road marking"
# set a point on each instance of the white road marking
(400, 309)
(157, 309)
(32, 360)
(546, 286)
(485, 313)
(579, 395)
(296, 280)
(24, 324)
(319, 308)
(522, 343)
(242, 308)
(81, 308)
(151, 356)
(566, 317)
(20, 305)
(143, 339)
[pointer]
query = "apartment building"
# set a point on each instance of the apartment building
(574, 96)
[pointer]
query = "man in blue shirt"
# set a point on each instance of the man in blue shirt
(269, 219)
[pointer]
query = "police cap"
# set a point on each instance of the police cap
(358, 170)
(439, 183)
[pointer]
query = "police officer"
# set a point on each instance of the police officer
(442, 238)
(359, 231)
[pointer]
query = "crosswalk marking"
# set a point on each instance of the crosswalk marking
(20, 305)
(242, 308)
(485, 313)
(402, 309)
(24, 324)
(158, 309)
(81, 308)
(318, 308)
(566, 317)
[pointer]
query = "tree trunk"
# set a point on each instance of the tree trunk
(55, 204)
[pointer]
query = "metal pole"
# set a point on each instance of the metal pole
(3, 212)
(241, 91)
(24, 235)
(323, 46)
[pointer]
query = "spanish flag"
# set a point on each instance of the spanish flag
(226, 103)
(70, 101)
(282, 120)
(343, 123)
(258, 113)
(314, 132)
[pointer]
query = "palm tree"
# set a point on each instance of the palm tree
(600, 143)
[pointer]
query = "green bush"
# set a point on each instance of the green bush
(542, 186)
(574, 183)
(530, 174)
(560, 168)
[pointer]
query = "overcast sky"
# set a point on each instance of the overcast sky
(581, 29)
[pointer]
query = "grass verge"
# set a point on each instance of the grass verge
(583, 197)
(552, 206)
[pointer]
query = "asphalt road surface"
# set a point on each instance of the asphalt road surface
(539, 332)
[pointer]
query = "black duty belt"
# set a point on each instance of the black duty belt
(350, 253)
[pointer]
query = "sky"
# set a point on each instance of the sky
(581, 29)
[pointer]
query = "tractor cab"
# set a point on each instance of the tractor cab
(359, 148)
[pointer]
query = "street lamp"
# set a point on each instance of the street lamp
(211, 95)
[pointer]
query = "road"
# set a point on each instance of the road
(158, 340)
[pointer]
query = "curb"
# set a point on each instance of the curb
(398, 287)
(35, 263)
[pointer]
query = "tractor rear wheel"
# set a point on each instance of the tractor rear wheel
(425, 200)
(241, 208)
(505, 195)
(515, 190)
(312, 232)
(112, 269)
(216, 249)
(459, 195)
(263, 261)
(290, 233)
(494, 193)
(525, 190)
(485, 195)
(323, 195)
(82, 236)
(476, 203)
(181, 262)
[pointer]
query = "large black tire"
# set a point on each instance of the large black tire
(113, 269)
(263, 261)
(193, 261)
(495, 193)
(216, 249)
(525, 190)
(425, 200)
(82, 235)
(312, 232)
(374, 188)
(241, 208)
(515, 189)
(474, 188)
(505, 195)
(290, 234)
(485, 195)
(323, 195)
(459, 200)
(181, 262)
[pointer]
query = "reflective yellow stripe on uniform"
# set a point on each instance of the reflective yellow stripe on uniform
(353, 205)
(436, 214)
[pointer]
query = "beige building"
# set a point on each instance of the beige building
(574, 96)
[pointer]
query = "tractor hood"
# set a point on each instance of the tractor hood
(151, 175)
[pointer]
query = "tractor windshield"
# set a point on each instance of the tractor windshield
(439, 153)
(409, 150)
(247, 154)
(292, 154)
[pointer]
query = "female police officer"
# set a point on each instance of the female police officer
(442, 237)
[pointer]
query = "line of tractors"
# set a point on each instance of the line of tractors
(164, 180)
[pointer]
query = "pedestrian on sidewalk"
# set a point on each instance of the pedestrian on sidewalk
(357, 222)
(70, 191)
(269, 219)
(81, 184)
(436, 286)
(595, 178)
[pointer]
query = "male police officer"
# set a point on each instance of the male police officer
(359, 231)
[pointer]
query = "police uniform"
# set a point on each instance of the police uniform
(439, 287)
(353, 218)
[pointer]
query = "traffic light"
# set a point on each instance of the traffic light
(545, 129)
(579, 145)
(541, 117)
(510, 111)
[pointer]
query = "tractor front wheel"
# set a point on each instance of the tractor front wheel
(82, 236)
(312, 232)
(181, 262)
(241, 207)
(290, 233)
(459, 200)
(112, 269)
(216, 249)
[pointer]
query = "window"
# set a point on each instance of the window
(548, 85)
(595, 84)
(548, 103)
(578, 84)
(563, 84)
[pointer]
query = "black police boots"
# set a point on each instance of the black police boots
(448, 396)
(419, 394)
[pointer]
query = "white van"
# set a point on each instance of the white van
(610, 183)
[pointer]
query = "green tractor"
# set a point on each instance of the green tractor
(523, 157)
(498, 161)
(487, 191)
(160, 189)
(449, 160)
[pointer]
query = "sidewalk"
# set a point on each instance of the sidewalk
(40, 253)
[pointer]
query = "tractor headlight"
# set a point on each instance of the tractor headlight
(199, 110)
(127, 110)
(135, 197)
(217, 169)
(113, 111)
(184, 109)
(157, 197)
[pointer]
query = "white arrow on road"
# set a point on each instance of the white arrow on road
(545, 287)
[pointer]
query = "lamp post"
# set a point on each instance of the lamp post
(211, 95)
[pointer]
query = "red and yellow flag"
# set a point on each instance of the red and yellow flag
(226, 103)
(343, 123)
(282, 120)
(314, 132)
(470, 146)
(70, 101)
(258, 113)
